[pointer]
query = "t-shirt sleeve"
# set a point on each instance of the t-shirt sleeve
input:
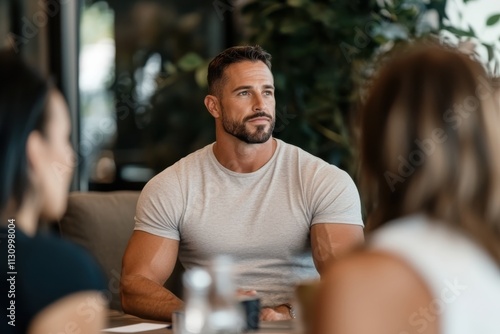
(335, 197)
(159, 208)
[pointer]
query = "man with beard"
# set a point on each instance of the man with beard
(278, 211)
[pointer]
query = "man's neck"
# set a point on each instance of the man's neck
(241, 157)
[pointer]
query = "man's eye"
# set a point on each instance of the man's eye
(243, 93)
(268, 92)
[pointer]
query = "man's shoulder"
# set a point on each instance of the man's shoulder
(195, 157)
(182, 168)
(312, 168)
(290, 151)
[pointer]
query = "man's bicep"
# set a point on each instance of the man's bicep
(150, 256)
(331, 240)
(159, 212)
(335, 198)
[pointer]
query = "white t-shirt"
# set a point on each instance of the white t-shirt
(262, 219)
(463, 279)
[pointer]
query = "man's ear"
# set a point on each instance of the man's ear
(212, 104)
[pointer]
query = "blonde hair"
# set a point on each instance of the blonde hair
(429, 143)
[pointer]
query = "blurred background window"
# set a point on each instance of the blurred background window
(97, 70)
(142, 77)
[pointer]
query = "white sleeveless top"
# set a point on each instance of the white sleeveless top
(463, 278)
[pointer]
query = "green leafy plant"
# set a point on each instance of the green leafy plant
(323, 50)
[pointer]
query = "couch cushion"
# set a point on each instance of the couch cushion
(102, 223)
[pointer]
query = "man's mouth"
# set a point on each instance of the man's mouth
(260, 118)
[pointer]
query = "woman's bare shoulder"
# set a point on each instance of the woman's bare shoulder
(373, 292)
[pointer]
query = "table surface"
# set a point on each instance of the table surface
(118, 319)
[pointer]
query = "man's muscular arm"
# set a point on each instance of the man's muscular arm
(148, 262)
(329, 241)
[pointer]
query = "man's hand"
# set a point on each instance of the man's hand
(280, 312)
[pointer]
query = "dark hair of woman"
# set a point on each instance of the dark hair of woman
(23, 99)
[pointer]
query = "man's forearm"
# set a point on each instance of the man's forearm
(146, 299)
(332, 240)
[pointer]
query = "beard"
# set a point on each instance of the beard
(240, 131)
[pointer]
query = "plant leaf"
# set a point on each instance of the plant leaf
(459, 32)
(489, 48)
(190, 61)
(492, 20)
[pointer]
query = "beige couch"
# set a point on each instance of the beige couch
(102, 222)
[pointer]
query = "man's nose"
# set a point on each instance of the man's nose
(258, 103)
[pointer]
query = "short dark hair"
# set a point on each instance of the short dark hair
(23, 98)
(230, 56)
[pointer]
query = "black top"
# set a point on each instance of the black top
(45, 269)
